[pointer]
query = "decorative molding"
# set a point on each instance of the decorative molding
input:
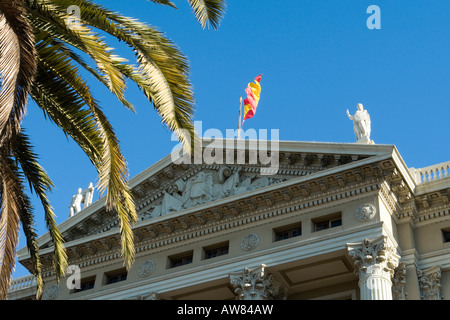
(158, 235)
(312, 189)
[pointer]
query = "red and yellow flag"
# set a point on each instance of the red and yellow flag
(253, 91)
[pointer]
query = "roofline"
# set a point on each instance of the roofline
(378, 152)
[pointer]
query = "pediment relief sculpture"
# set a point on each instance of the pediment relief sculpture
(205, 187)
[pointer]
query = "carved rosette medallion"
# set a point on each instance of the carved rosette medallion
(146, 268)
(365, 212)
(51, 293)
(250, 242)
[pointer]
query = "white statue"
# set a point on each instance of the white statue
(82, 196)
(88, 194)
(361, 125)
(75, 204)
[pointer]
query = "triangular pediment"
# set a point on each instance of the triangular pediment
(170, 187)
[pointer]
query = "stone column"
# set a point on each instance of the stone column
(374, 263)
(256, 284)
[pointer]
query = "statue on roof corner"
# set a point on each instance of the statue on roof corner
(83, 196)
(361, 125)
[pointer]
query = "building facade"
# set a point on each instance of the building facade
(333, 221)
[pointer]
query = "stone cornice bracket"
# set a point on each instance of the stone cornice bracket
(374, 263)
(430, 283)
(256, 284)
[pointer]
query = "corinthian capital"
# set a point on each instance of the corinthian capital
(430, 283)
(373, 257)
(256, 284)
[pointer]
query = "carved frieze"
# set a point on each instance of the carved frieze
(204, 187)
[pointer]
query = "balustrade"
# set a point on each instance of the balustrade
(431, 173)
(22, 283)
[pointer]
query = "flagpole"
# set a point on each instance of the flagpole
(239, 124)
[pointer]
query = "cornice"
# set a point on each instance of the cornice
(293, 160)
(156, 235)
(305, 192)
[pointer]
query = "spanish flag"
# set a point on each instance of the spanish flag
(253, 91)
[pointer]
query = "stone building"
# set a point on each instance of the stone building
(334, 221)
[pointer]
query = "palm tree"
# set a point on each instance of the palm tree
(43, 51)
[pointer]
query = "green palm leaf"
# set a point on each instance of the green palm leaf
(15, 207)
(17, 66)
(208, 11)
(41, 184)
(36, 39)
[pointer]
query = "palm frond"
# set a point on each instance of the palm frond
(15, 207)
(55, 67)
(9, 227)
(47, 17)
(41, 184)
(165, 2)
(208, 11)
(17, 66)
(162, 72)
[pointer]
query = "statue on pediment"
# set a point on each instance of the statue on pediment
(361, 125)
(82, 197)
(75, 204)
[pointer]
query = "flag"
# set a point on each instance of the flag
(253, 91)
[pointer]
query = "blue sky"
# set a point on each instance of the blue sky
(317, 57)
